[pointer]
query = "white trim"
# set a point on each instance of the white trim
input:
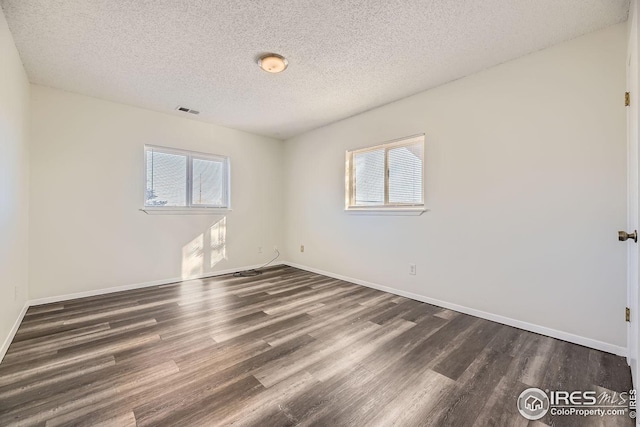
(12, 333)
(350, 175)
(185, 211)
(386, 211)
(190, 156)
(632, 190)
(566, 336)
(103, 291)
(543, 330)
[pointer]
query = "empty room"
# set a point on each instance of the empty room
(319, 213)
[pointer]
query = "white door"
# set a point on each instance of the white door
(633, 212)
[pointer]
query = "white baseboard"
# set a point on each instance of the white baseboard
(576, 339)
(542, 330)
(67, 297)
(12, 332)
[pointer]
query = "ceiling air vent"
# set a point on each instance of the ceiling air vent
(187, 110)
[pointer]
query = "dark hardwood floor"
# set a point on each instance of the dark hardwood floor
(286, 348)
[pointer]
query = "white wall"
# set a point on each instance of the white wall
(14, 184)
(526, 177)
(87, 186)
(525, 182)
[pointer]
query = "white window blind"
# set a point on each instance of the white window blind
(205, 187)
(386, 175)
(178, 178)
(166, 179)
(405, 175)
(369, 176)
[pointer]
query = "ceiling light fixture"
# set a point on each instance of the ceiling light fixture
(273, 63)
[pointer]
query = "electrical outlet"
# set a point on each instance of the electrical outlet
(259, 249)
(301, 248)
(412, 269)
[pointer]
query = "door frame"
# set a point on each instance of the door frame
(633, 166)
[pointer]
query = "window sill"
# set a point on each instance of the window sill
(387, 211)
(185, 211)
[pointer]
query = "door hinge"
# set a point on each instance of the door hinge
(627, 314)
(627, 99)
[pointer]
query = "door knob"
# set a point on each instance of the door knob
(623, 235)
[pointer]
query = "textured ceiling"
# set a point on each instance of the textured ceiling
(345, 57)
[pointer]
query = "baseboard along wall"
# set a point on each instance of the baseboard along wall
(565, 336)
(542, 330)
(104, 291)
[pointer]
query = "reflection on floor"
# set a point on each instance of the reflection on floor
(285, 348)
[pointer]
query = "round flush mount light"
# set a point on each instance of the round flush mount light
(273, 63)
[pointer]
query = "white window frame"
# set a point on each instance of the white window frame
(389, 208)
(190, 208)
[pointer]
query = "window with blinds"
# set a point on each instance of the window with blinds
(390, 175)
(185, 179)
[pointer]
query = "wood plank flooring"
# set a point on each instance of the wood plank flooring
(287, 348)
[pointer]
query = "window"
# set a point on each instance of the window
(185, 179)
(386, 176)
